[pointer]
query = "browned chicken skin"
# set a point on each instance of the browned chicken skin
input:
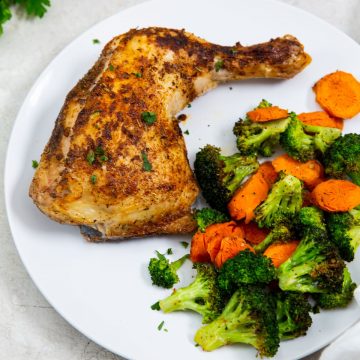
(94, 171)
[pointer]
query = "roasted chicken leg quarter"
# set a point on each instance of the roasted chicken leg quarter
(116, 162)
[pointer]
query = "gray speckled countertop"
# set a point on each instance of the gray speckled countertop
(29, 327)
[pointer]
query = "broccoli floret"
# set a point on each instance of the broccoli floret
(343, 158)
(245, 268)
(162, 272)
(282, 204)
(304, 142)
(249, 317)
(263, 104)
(310, 217)
(293, 315)
(219, 176)
(314, 267)
(258, 138)
(340, 299)
(344, 232)
(206, 216)
(280, 233)
(202, 295)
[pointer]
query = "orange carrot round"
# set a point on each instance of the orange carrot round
(230, 247)
(216, 232)
(267, 114)
(311, 172)
(198, 252)
(336, 195)
(339, 94)
(321, 118)
(253, 234)
(252, 193)
(280, 252)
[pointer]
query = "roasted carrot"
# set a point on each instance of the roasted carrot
(253, 234)
(280, 252)
(198, 252)
(321, 118)
(230, 246)
(336, 195)
(311, 172)
(338, 94)
(252, 193)
(267, 114)
(216, 232)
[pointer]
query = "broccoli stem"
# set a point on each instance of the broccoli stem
(176, 265)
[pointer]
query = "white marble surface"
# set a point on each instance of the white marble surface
(29, 327)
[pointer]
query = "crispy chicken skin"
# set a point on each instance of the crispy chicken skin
(92, 170)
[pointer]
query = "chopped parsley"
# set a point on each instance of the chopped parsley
(111, 67)
(96, 41)
(156, 306)
(148, 117)
(93, 179)
(90, 157)
(189, 105)
(146, 163)
(184, 244)
(137, 74)
(160, 326)
(35, 164)
(219, 65)
(186, 132)
(169, 251)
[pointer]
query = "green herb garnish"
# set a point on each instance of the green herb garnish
(146, 163)
(111, 67)
(35, 164)
(148, 117)
(169, 251)
(161, 325)
(156, 306)
(137, 74)
(90, 157)
(184, 244)
(189, 105)
(96, 41)
(186, 132)
(93, 179)
(219, 65)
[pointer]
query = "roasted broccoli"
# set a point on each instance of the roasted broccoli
(293, 314)
(344, 232)
(162, 272)
(245, 268)
(258, 138)
(282, 204)
(202, 295)
(219, 176)
(343, 158)
(208, 216)
(305, 142)
(316, 265)
(279, 233)
(263, 104)
(249, 317)
(340, 299)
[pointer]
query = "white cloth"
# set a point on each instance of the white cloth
(347, 345)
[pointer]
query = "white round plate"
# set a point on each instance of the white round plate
(104, 289)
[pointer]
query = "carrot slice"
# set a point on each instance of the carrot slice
(321, 118)
(267, 114)
(252, 193)
(253, 234)
(198, 252)
(311, 172)
(216, 232)
(280, 252)
(336, 195)
(230, 247)
(338, 94)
